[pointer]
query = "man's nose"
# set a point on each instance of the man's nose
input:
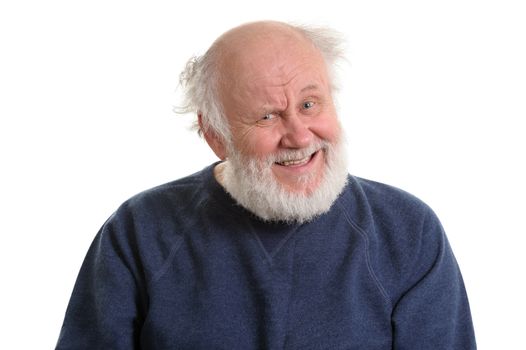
(296, 133)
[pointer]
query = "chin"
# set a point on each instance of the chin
(300, 188)
(287, 194)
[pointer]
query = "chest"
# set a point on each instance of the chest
(312, 292)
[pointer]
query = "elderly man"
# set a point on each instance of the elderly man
(275, 246)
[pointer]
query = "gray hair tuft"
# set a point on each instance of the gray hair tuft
(199, 80)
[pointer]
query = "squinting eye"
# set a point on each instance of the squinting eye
(308, 104)
(268, 116)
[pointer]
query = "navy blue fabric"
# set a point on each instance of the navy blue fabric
(182, 266)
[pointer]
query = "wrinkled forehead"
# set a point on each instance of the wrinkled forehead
(272, 59)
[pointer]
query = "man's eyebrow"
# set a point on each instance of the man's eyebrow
(310, 87)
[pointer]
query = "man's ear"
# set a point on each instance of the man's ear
(215, 142)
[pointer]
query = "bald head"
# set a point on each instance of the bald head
(247, 48)
(259, 34)
(244, 48)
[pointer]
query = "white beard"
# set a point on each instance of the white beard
(252, 184)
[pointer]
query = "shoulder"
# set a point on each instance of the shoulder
(152, 224)
(388, 212)
(385, 207)
(403, 233)
(386, 197)
(168, 204)
(166, 196)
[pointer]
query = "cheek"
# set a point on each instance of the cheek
(327, 128)
(258, 143)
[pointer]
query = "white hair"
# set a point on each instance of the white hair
(252, 184)
(200, 78)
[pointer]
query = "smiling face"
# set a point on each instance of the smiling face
(276, 96)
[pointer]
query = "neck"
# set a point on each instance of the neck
(218, 173)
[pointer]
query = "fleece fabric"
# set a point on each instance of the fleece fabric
(182, 266)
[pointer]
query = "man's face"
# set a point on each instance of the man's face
(276, 96)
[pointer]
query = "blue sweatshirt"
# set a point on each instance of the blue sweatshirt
(182, 266)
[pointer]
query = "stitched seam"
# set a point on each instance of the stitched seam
(283, 241)
(267, 257)
(168, 260)
(291, 295)
(367, 257)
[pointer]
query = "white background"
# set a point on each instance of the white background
(433, 101)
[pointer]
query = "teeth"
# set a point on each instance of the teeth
(295, 161)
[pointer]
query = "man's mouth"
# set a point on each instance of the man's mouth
(296, 162)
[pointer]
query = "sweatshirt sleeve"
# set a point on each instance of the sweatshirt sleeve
(105, 308)
(433, 313)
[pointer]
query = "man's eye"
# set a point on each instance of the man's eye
(308, 105)
(268, 116)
